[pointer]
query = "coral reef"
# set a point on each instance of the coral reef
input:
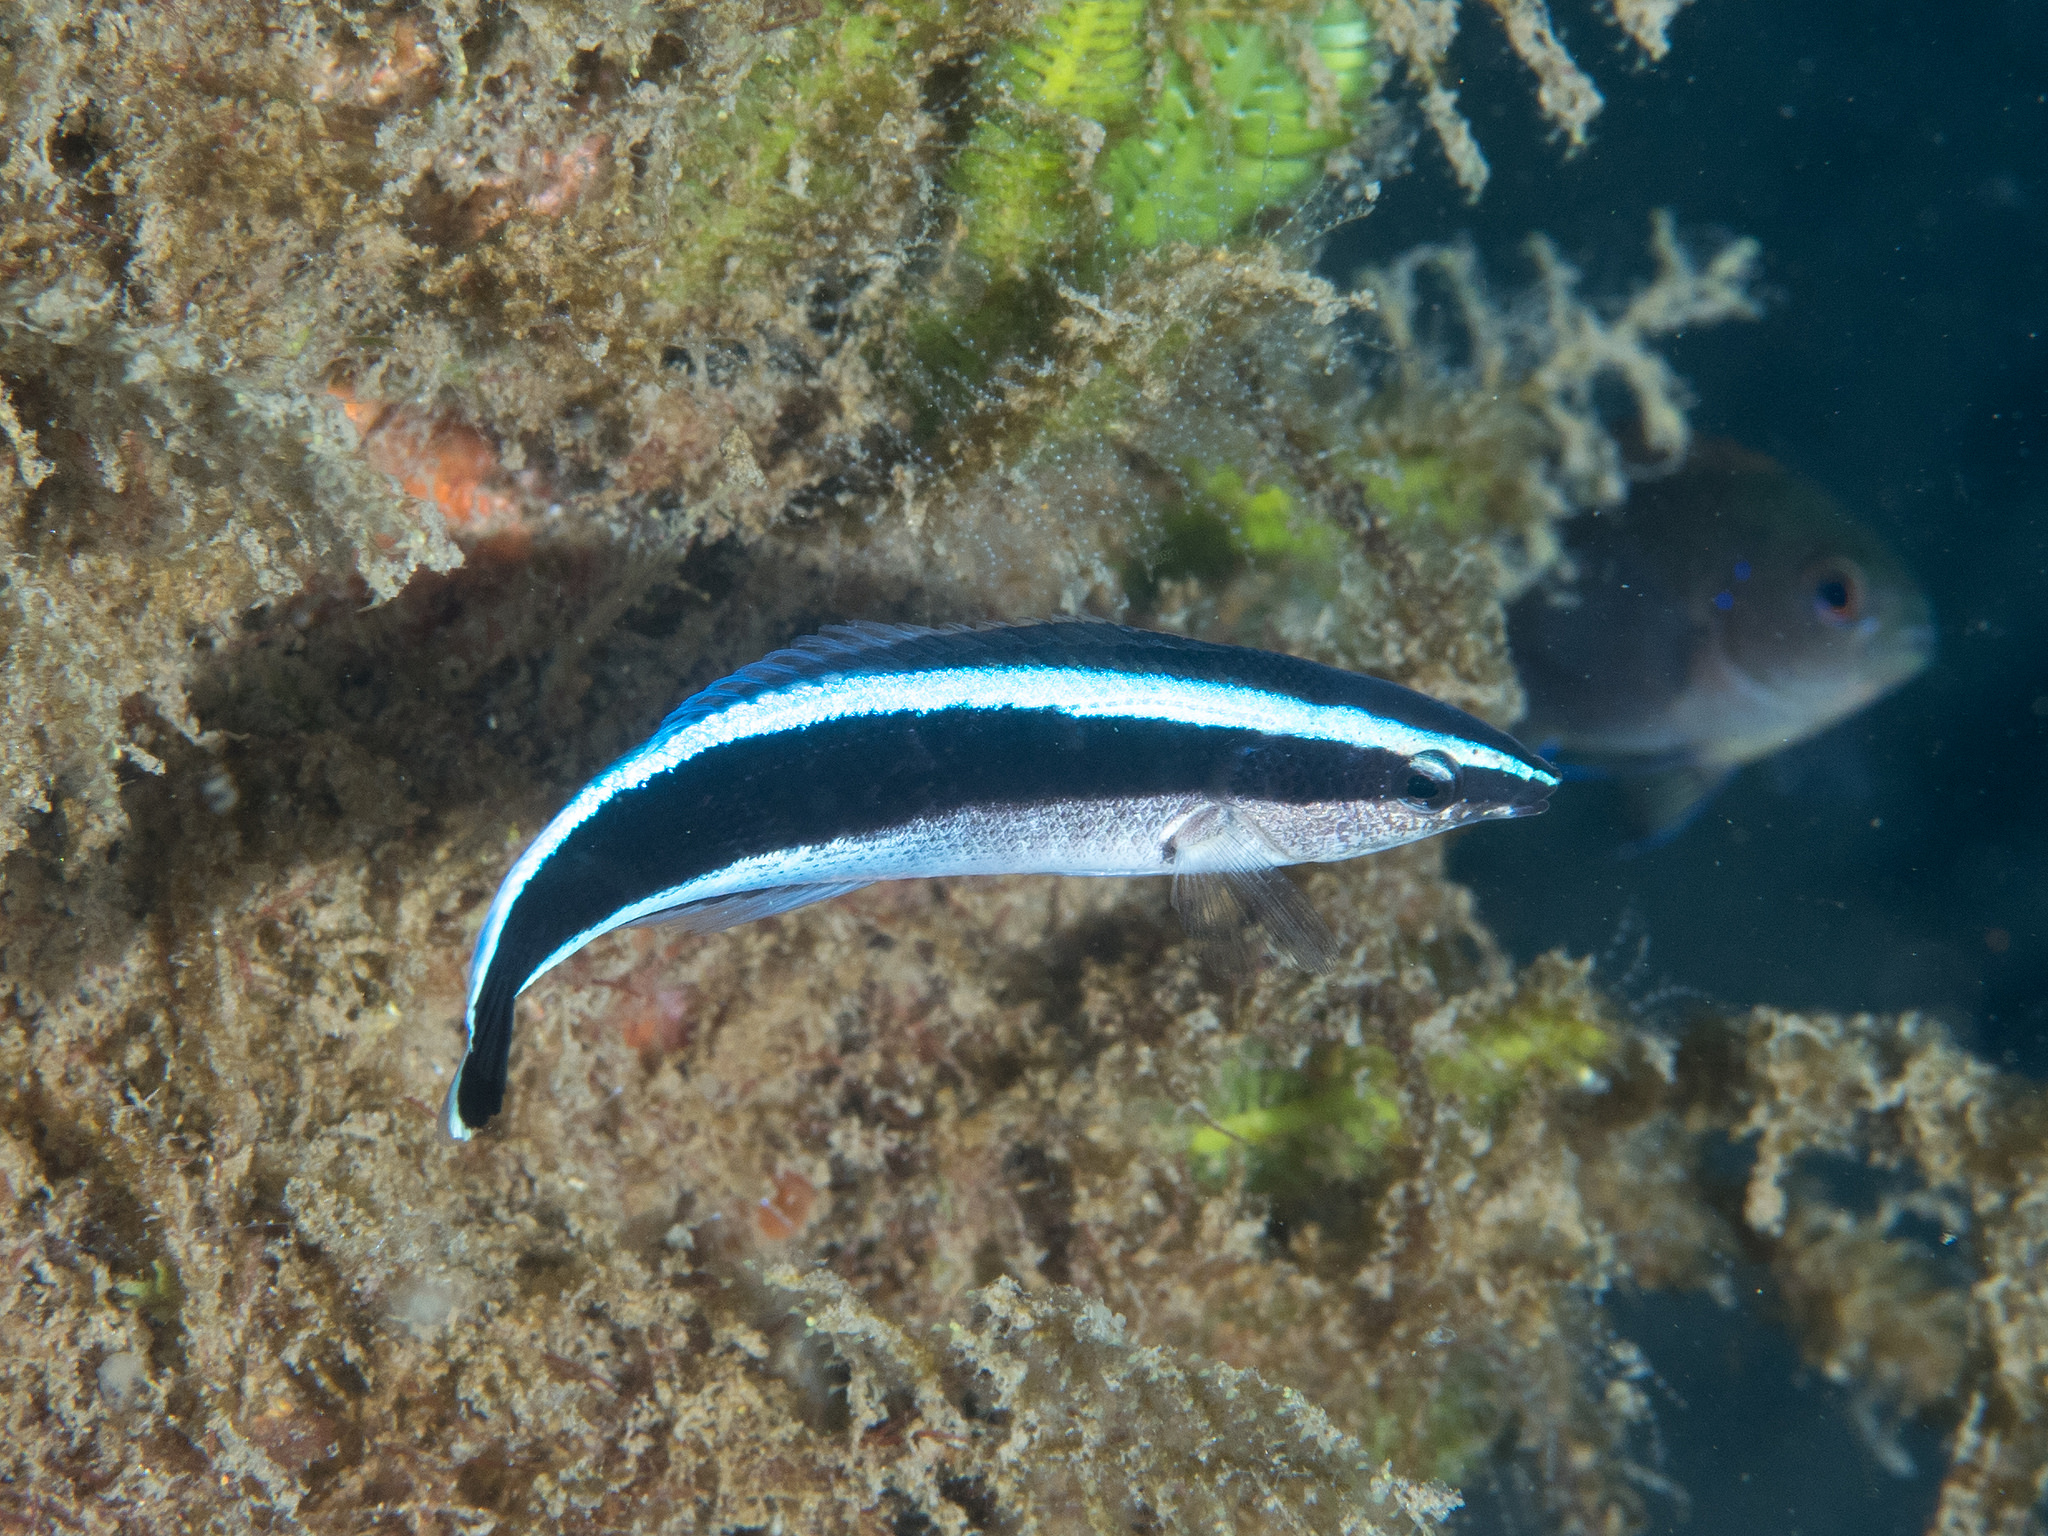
(404, 407)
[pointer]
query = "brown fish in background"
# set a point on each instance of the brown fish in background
(1725, 613)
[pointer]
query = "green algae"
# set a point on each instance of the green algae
(1116, 129)
(1428, 486)
(1266, 519)
(157, 1295)
(778, 163)
(1498, 1058)
(1080, 73)
(1087, 58)
(1461, 1417)
(1334, 1118)
(1221, 524)
(1109, 131)
(1331, 1119)
(1250, 131)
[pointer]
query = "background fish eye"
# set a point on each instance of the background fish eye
(1432, 781)
(1837, 588)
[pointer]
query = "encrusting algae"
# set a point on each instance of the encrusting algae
(405, 408)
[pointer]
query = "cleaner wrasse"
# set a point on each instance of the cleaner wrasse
(877, 752)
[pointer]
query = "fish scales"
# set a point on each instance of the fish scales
(876, 752)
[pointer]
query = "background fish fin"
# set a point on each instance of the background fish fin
(1244, 891)
(722, 912)
(1664, 803)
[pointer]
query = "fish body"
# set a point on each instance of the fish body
(876, 752)
(1727, 612)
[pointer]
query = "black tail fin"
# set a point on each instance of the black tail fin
(479, 1089)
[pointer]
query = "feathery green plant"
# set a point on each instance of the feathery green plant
(1113, 130)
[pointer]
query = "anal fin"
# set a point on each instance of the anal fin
(721, 912)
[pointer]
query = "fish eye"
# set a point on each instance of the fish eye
(1837, 588)
(1431, 781)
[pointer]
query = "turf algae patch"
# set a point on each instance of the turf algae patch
(1075, 1426)
(1877, 1308)
(816, 155)
(618, 275)
(222, 235)
(567, 1332)
(925, 1089)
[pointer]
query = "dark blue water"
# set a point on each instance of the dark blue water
(1893, 159)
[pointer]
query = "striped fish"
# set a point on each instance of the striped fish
(876, 752)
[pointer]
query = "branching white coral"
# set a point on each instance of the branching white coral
(1584, 349)
(1648, 22)
(1550, 355)
(1421, 32)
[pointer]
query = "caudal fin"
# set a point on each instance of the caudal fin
(478, 1091)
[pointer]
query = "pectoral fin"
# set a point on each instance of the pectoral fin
(1241, 891)
(1663, 804)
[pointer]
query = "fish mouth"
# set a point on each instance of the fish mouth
(1498, 795)
(1534, 801)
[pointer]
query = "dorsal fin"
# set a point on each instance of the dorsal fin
(837, 648)
(840, 649)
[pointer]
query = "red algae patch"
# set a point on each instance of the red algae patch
(406, 71)
(450, 463)
(783, 1214)
(525, 179)
(664, 1025)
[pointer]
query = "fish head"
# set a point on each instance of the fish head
(1433, 770)
(1489, 778)
(1813, 615)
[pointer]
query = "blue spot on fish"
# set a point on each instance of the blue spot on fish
(1724, 600)
(1742, 570)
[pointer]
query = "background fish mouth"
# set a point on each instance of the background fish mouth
(1923, 640)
